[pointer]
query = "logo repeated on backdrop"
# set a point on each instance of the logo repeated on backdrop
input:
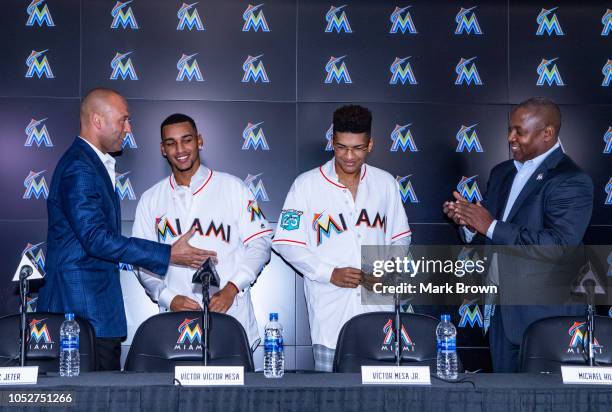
(254, 19)
(607, 72)
(468, 188)
(39, 338)
(290, 219)
(190, 335)
(31, 304)
(257, 187)
(606, 20)
(37, 133)
(389, 339)
(325, 225)
(608, 141)
(467, 22)
(123, 68)
(548, 23)
(406, 190)
(36, 185)
(337, 71)
(123, 16)
(401, 138)
(401, 71)
(470, 314)
(578, 338)
(36, 251)
(189, 18)
(608, 190)
(39, 14)
(254, 137)
(254, 70)
(467, 139)
(329, 135)
(188, 70)
(467, 72)
(255, 211)
(401, 21)
(549, 74)
(164, 229)
(129, 141)
(38, 65)
(123, 187)
(337, 20)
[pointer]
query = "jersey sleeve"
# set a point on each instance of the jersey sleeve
(291, 227)
(398, 221)
(252, 222)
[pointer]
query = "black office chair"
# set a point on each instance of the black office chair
(369, 339)
(43, 341)
(176, 338)
(552, 342)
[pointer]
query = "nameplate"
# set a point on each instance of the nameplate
(589, 375)
(25, 375)
(395, 375)
(209, 375)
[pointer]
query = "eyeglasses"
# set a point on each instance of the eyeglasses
(342, 149)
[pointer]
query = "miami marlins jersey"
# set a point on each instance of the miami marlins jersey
(322, 227)
(227, 219)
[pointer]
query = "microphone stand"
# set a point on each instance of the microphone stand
(26, 271)
(398, 328)
(205, 315)
(591, 331)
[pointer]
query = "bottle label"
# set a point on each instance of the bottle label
(447, 345)
(68, 343)
(273, 345)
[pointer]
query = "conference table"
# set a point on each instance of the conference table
(308, 391)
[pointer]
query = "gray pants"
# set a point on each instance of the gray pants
(323, 358)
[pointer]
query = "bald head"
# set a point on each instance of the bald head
(545, 110)
(104, 119)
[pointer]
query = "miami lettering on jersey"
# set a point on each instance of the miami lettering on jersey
(380, 222)
(165, 229)
(325, 225)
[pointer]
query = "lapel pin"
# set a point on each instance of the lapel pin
(540, 176)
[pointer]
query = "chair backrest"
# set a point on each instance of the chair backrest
(552, 342)
(369, 339)
(43, 341)
(176, 338)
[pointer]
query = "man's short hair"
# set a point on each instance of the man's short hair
(547, 109)
(353, 119)
(177, 118)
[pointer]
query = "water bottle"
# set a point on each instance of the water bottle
(446, 335)
(69, 346)
(274, 355)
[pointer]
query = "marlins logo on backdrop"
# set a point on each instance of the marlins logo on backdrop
(467, 22)
(254, 70)
(123, 16)
(254, 137)
(608, 190)
(38, 65)
(337, 71)
(37, 252)
(39, 14)
(257, 187)
(549, 74)
(470, 314)
(606, 20)
(188, 70)
(123, 68)
(189, 18)
(548, 23)
(401, 21)
(129, 141)
(578, 339)
(37, 133)
(39, 337)
(467, 72)
(254, 19)
(401, 71)
(608, 141)
(337, 20)
(123, 187)
(190, 335)
(35, 185)
(467, 139)
(325, 225)
(468, 188)
(607, 72)
(401, 138)
(389, 339)
(406, 190)
(329, 135)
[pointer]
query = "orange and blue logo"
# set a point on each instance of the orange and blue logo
(470, 314)
(579, 336)
(189, 332)
(607, 72)
(36, 251)
(406, 190)
(123, 67)
(467, 22)
(39, 14)
(39, 333)
(389, 332)
(38, 65)
(188, 68)
(467, 73)
(337, 20)
(468, 188)
(123, 16)
(189, 18)
(329, 135)
(257, 187)
(548, 23)
(164, 229)
(549, 73)
(37, 133)
(467, 139)
(129, 141)
(401, 71)
(254, 137)
(123, 187)
(606, 20)
(254, 19)
(36, 185)
(254, 70)
(324, 226)
(401, 21)
(337, 71)
(608, 141)
(401, 138)
(608, 190)
(255, 211)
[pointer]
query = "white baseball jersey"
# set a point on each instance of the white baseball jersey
(227, 220)
(322, 227)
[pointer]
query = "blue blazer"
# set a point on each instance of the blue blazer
(554, 208)
(84, 244)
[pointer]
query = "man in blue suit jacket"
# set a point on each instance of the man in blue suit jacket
(84, 242)
(541, 197)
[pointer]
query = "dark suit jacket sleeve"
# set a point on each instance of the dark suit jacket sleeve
(84, 212)
(567, 211)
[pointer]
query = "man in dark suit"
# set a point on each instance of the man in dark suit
(542, 198)
(84, 242)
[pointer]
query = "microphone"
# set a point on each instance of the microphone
(589, 288)
(207, 274)
(25, 272)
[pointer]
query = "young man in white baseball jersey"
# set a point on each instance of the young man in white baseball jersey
(329, 213)
(226, 221)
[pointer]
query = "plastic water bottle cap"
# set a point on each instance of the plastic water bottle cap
(445, 318)
(69, 316)
(273, 316)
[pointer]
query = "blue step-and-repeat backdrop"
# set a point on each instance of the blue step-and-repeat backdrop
(262, 81)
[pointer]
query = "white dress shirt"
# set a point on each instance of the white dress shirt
(107, 160)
